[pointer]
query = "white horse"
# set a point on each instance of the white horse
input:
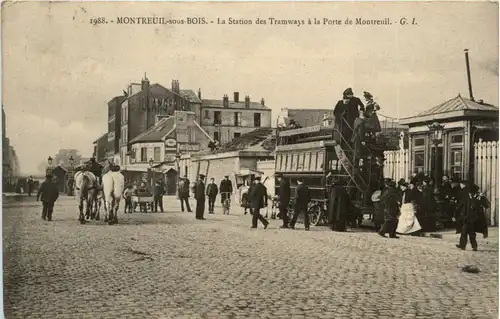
(113, 183)
(85, 187)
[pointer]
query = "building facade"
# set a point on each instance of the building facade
(101, 148)
(464, 122)
(144, 105)
(114, 124)
(159, 149)
(228, 119)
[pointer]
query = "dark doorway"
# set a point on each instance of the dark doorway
(171, 180)
(439, 169)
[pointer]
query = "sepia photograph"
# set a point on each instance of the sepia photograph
(250, 159)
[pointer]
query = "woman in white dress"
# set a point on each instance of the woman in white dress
(407, 222)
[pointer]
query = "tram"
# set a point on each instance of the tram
(321, 157)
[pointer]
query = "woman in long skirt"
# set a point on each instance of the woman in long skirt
(407, 222)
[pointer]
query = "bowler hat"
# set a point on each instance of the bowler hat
(202, 176)
(257, 178)
(367, 94)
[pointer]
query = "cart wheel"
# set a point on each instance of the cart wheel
(315, 216)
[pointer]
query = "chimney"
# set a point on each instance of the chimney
(262, 102)
(144, 83)
(199, 94)
(468, 74)
(236, 97)
(225, 101)
(247, 101)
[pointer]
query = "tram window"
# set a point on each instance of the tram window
(288, 162)
(307, 161)
(300, 163)
(314, 159)
(294, 162)
(319, 165)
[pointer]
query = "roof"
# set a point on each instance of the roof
(233, 105)
(308, 117)
(192, 96)
(101, 137)
(157, 132)
(455, 107)
(263, 138)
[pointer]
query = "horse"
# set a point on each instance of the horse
(85, 193)
(113, 183)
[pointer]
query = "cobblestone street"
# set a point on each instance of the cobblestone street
(169, 265)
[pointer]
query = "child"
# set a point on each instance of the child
(127, 195)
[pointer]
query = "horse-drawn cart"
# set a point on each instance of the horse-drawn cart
(144, 201)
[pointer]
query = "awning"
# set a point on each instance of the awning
(249, 171)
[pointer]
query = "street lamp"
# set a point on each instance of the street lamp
(70, 176)
(49, 167)
(436, 130)
(150, 172)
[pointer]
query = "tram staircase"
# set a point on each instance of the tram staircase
(349, 173)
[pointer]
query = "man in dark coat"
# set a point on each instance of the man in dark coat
(258, 200)
(184, 193)
(391, 203)
(199, 195)
(31, 184)
(158, 192)
(302, 199)
(339, 206)
(346, 111)
(226, 189)
(470, 217)
(284, 194)
(48, 193)
(212, 192)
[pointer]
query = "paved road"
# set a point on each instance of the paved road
(172, 266)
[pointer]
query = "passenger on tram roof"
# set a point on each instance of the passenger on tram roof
(373, 123)
(347, 109)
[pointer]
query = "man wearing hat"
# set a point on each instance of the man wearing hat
(346, 111)
(225, 188)
(199, 195)
(258, 200)
(48, 193)
(391, 203)
(471, 218)
(184, 193)
(302, 199)
(284, 194)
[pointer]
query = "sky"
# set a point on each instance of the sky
(59, 70)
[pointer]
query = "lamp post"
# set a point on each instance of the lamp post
(436, 130)
(70, 176)
(49, 167)
(178, 168)
(150, 174)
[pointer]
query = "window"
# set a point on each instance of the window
(157, 154)
(256, 120)
(217, 118)
(144, 154)
(319, 165)
(207, 114)
(419, 141)
(288, 162)
(278, 160)
(237, 118)
(314, 159)
(456, 139)
(300, 164)
(307, 161)
(236, 135)
(216, 136)
(456, 162)
(419, 160)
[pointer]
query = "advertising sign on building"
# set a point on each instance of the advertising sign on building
(170, 143)
(189, 147)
